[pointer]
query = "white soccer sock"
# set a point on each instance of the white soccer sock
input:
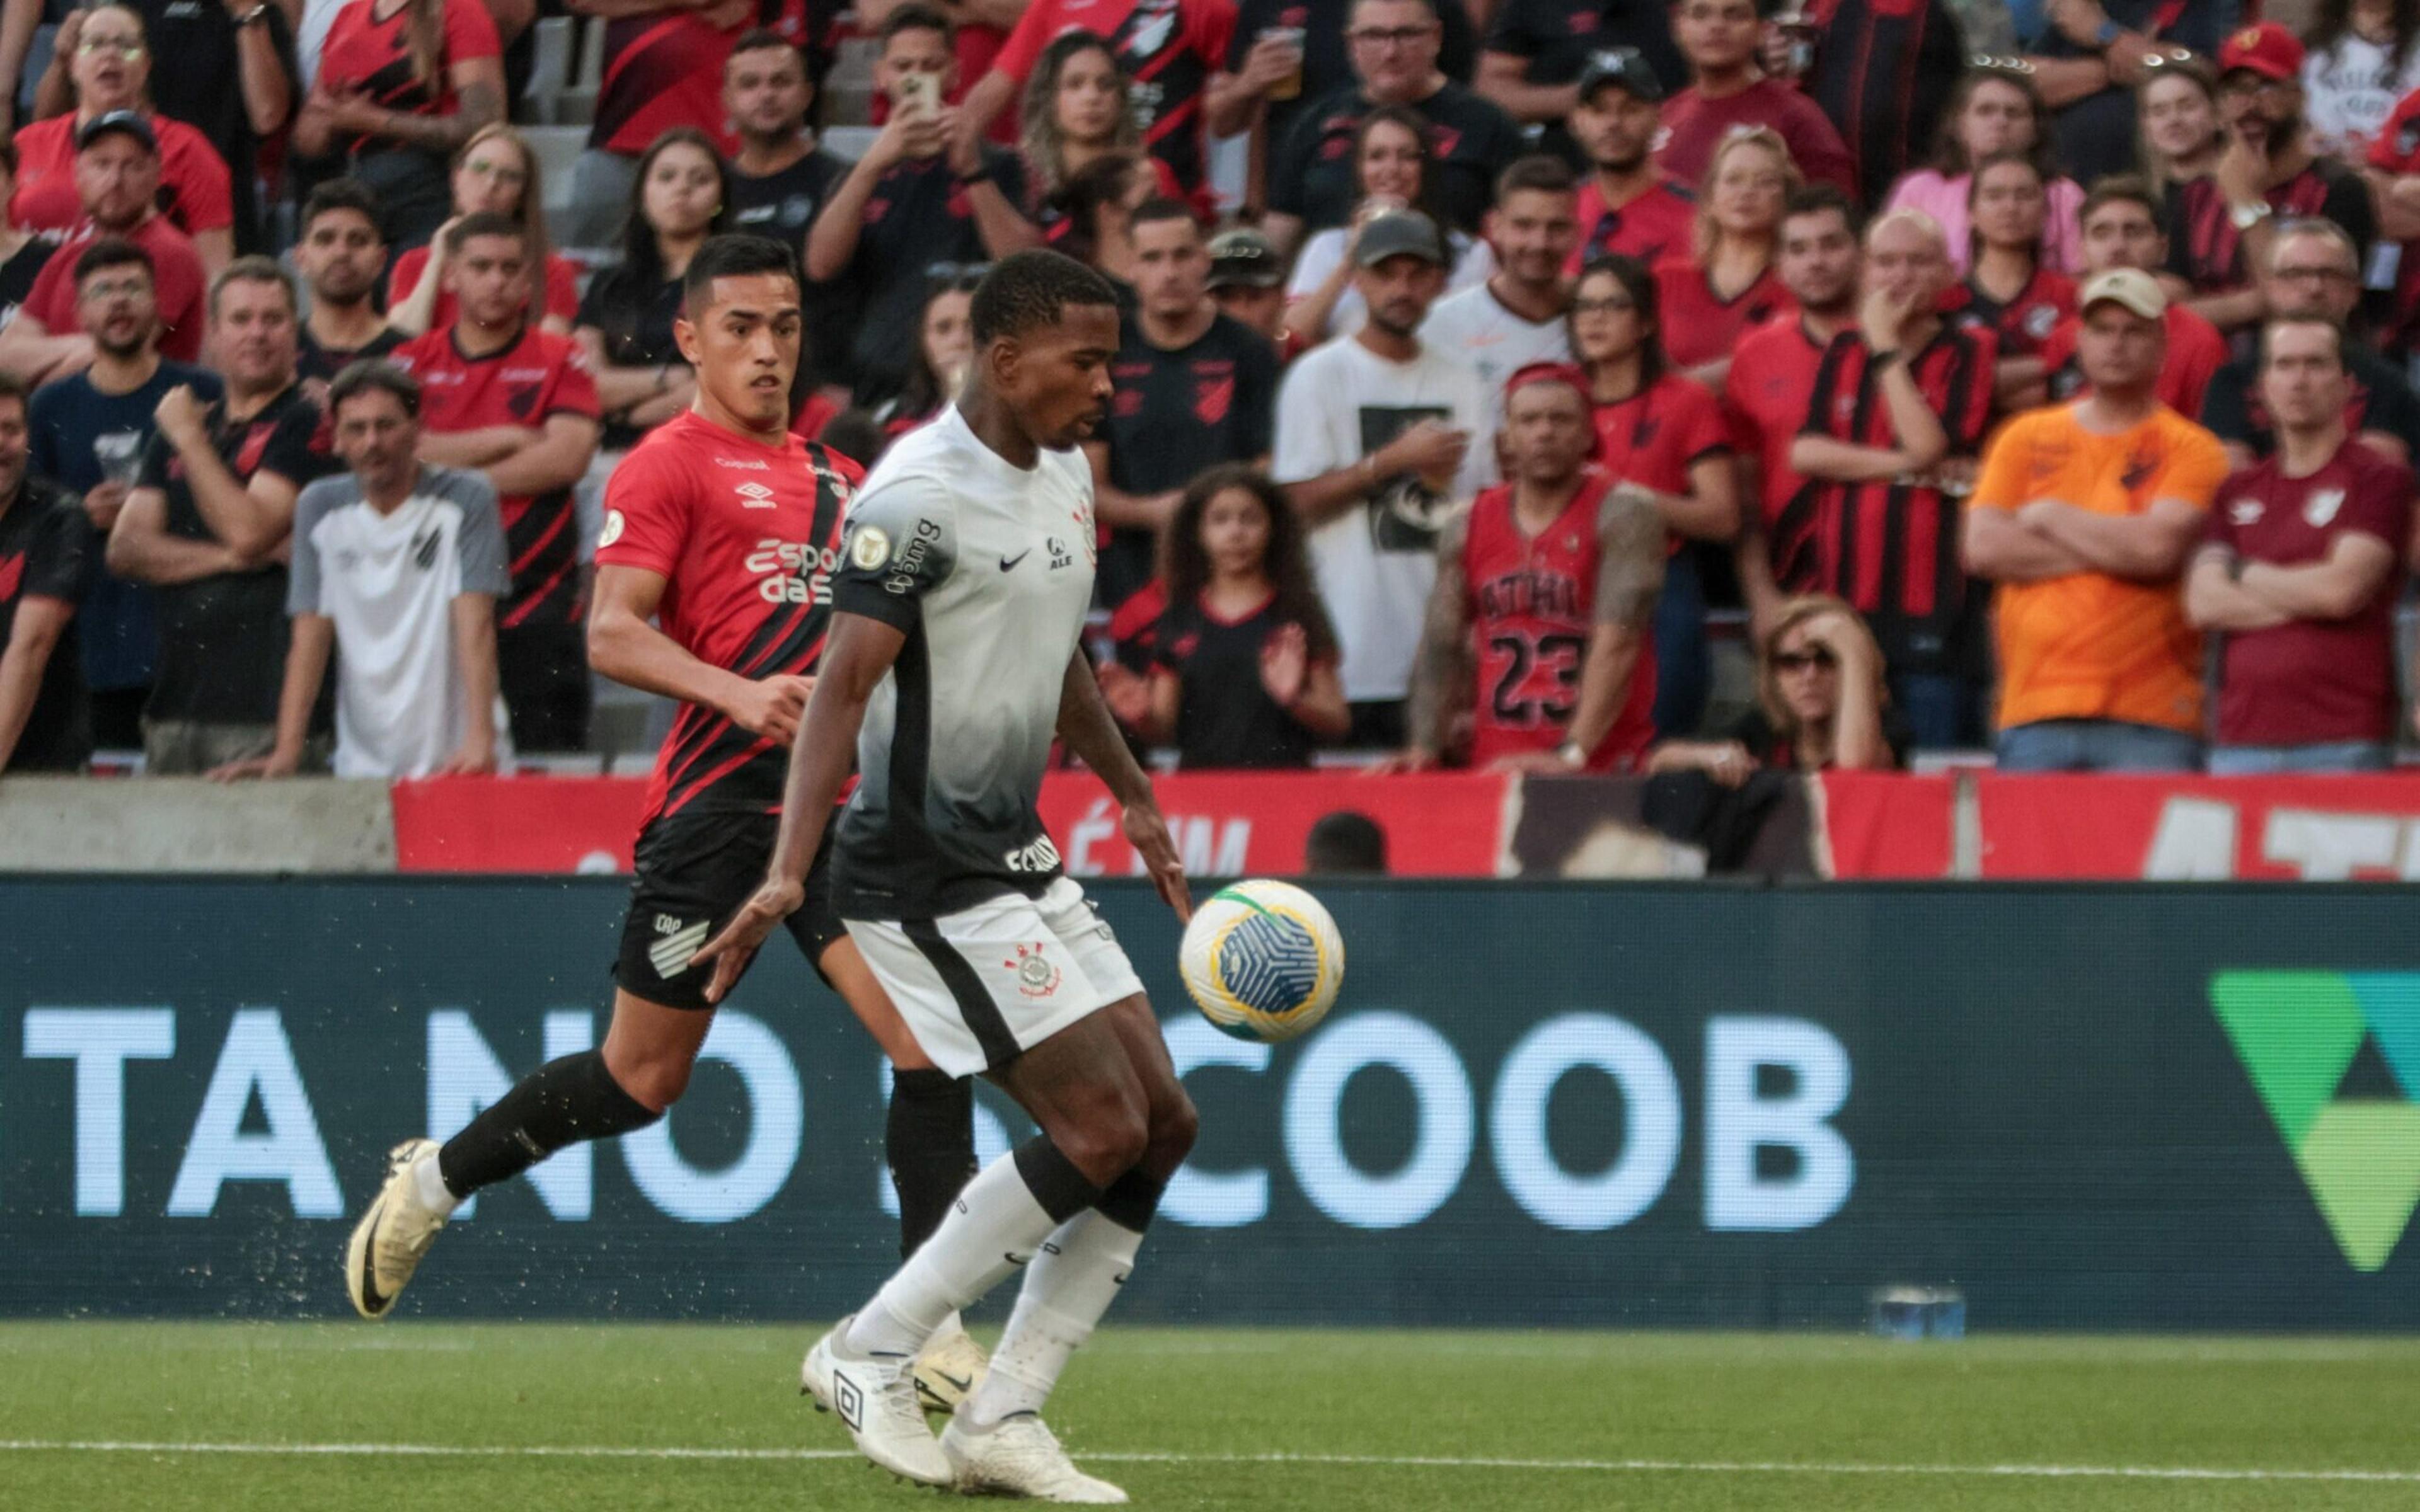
(433, 1192)
(995, 1219)
(1068, 1286)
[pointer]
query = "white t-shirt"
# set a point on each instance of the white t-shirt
(1473, 262)
(1375, 562)
(389, 581)
(1475, 326)
(2350, 89)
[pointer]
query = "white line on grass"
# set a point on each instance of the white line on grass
(1674, 1467)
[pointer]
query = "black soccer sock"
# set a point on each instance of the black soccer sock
(929, 1141)
(1131, 1199)
(562, 1102)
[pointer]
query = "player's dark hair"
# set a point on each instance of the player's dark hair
(374, 375)
(254, 269)
(1345, 843)
(1185, 561)
(915, 16)
(112, 251)
(1027, 290)
(2275, 323)
(1425, 198)
(343, 195)
(486, 224)
(1537, 173)
(1160, 208)
(1825, 199)
(2127, 189)
(732, 255)
(1637, 283)
(642, 257)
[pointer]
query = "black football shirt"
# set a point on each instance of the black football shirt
(1175, 414)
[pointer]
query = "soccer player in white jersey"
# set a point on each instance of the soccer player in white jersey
(953, 662)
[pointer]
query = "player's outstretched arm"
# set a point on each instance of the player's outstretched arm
(1091, 732)
(625, 645)
(857, 656)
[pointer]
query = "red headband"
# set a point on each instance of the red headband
(1569, 373)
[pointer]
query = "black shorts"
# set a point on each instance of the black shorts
(694, 871)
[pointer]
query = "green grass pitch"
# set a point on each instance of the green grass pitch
(331, 1416)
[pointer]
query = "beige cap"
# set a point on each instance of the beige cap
(2134, 288)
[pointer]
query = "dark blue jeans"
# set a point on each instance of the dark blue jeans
(1684, 663)
(2097, 746)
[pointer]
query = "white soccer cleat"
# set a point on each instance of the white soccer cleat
(949, 1369)
(1019, 1456)
(388, 1243)
(875, 1400)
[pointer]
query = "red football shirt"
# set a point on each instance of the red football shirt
(539, 376)
(194, 183)
(1766, 394)
(1654, 437)
(1694, 126)
(1170, 47)
(177, 279)
(1698, 326)
(1656, 224)
(2396, 150)
(2313, 681)
(366, 53)
(746, 537)
(664, 68)
(561, 289)
(2023, 323)
(1531, 602)
(2195, 353)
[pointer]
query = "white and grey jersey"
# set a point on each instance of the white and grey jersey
(988, 570)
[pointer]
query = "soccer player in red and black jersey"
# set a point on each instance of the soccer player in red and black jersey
(1663, 433)
(1540, 622)
(2226, 217)
(2301, 569)
(1773, 378)
(1626, 204)
(519, 403)
(724, 530)
(1893, 427)
(1170, 48)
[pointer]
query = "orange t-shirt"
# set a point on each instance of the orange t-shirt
(2087, 645)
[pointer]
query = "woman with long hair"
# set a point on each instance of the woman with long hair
(1663, 434)
(1079, 108)
(679, 198)
(402, 86)
(495, 170)
(1994, 109)
(108, 61)
(2182, 139)
(945, 349)
(1820, 705)
(2361, 58)
(1394, 168)
(1729, 280)
(1243, 659)
(2007, 289)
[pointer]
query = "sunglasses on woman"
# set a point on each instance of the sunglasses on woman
(1799, 661)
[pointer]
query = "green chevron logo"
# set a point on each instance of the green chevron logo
(2297, 1033)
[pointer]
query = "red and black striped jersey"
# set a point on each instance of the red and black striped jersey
(663, 69)
(540, 375)
(1170, 47)
(2206, 249)
(2023, 324)
(746, 537)
(1889, 546)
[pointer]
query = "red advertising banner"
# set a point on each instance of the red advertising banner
(1884, 825)
(2166, 828)
(1442, 825)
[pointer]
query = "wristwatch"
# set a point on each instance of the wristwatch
(253, 17)
(2247, 216)
(1882, 360)
(1569, 754)
(980, 174)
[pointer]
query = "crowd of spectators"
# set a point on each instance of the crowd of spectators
(2033, 379)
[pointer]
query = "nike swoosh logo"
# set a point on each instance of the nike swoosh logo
(956, 1382)
(369, 1260)
(1006, 562)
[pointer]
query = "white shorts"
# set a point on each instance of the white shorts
(979, 987)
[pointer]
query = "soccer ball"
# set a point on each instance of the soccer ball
(1263, 961)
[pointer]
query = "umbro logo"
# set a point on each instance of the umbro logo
(754, 495)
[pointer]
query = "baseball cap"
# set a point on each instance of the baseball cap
(1241, 257)
(130, 122)
(1625, 65)
(2132, 287)
(1400, 234)
(2268, 50)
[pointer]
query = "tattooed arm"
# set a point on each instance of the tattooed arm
(1629, 579)
(1442, 678)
